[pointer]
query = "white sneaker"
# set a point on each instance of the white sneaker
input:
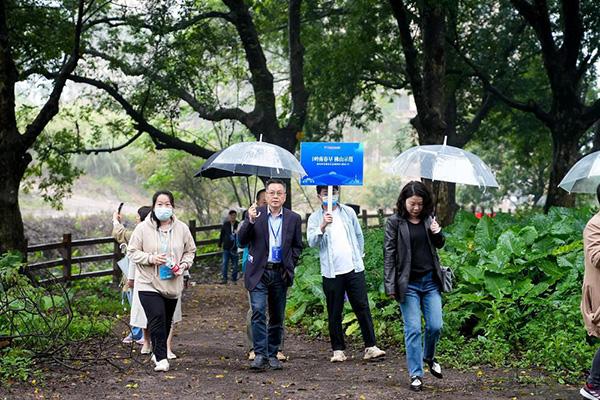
(162, 365)
(372, 353)
(171, 355)
(153, 358)
(338, 356)
(146, 349)
(251, 355)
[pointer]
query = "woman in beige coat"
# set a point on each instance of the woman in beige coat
(590, 300)
(162, 247)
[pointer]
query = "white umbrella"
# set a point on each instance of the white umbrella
(584, 176)
(443, 163)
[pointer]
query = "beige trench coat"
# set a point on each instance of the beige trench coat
(590, 300)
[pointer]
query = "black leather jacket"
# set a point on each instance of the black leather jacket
(397, 257)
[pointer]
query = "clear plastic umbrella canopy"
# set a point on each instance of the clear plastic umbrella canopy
(443, 163)
(256, 158)
(584, 176)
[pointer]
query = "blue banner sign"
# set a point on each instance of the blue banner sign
(332, 163)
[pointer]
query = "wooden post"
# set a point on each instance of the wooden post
(380, 217)
(365, 218)
(116, 276)
(67, 256)
(192, 226)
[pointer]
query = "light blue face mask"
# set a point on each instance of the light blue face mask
(334, 200)
(163, 213)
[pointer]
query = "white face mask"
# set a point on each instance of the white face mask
(334, 200)
(163, 213)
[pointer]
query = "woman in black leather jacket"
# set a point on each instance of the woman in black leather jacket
(413, 275)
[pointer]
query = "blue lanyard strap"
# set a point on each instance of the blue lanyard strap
(276, 234)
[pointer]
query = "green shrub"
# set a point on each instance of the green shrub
(516, 297)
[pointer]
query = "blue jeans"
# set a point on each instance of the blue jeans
(272, 290)
(421, 295)
(227, 256)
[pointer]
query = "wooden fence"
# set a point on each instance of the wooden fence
(67, 246)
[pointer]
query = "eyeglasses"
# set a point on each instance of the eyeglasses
(278, 194)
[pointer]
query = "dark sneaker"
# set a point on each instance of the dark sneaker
(260, 363)
(416, 384)
(590, 392)
(435, 368)
(274, 363)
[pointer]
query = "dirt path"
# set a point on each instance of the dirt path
(212, 364)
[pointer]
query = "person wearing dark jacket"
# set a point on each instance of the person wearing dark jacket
(413, 276)
(228, 242)
(274, 238)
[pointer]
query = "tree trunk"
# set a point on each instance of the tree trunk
(12, 169)
(287, 139)
(565, 153)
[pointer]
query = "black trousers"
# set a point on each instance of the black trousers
(159, 312)
(594, 376)
(352, 283)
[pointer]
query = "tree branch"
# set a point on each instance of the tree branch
(296, 56)
(50, 108)
(261, 78)
(102, 150)
(573, 32)
(539, 20)
(531, 106)
(139, 21)
(396, 85)
(203, 111)
(8, 77)
(408, 48)
(161, 139)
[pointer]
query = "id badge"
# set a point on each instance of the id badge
(276, 253)
(164, 272)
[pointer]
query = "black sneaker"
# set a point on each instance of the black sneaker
(274, 363)
(416, 384)
(435, 368)
(590, 392)
(260, 363)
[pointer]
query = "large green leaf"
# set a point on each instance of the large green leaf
(484, 236)
(295, 317)
(496, 284)
(352, 328)
(528, 235)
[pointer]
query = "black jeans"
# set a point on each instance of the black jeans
(594, 376)
(352, 283)
(159, 312)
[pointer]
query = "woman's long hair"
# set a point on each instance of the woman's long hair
(415, 188)
(154, 198)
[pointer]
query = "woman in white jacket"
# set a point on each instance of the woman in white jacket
(162, 248)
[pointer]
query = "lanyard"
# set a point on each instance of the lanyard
(276, 234)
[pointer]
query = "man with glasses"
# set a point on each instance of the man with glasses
(340, 240)
(274, 238)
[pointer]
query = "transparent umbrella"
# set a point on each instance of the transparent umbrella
(443, 163)
(253, 158)
(584, 176)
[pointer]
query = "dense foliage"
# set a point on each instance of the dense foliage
(516, 300)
